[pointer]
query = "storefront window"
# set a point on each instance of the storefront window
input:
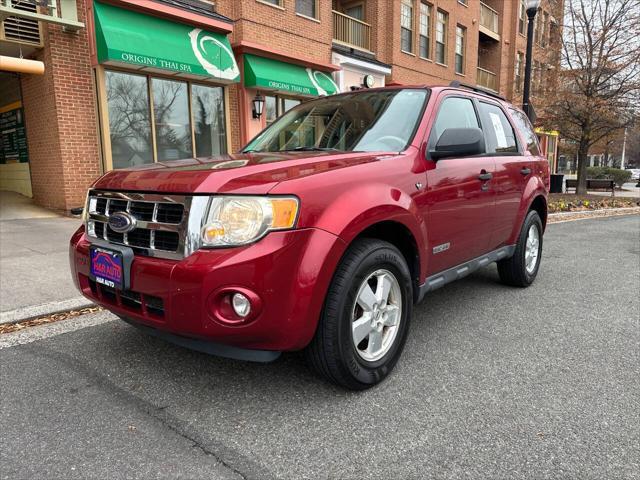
(276, 106)
(173, 128)
(271, 109)
(129, 119)
(207, 105)
(184, 114)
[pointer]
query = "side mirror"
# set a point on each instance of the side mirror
(459, 142)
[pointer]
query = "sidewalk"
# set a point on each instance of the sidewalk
(34, 260)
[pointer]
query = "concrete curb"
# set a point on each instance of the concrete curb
(563, 217)
(28, 313)
(601, 211)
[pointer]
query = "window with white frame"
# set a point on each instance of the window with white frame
(522, 18)
(425, 30)
(461, 41)
(441, 36)
(545, 30)
(308, 8)
(406, 26)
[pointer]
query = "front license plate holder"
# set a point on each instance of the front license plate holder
(110, 265)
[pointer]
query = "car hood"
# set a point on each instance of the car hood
(250, 173)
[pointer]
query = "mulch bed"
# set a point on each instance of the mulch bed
(570, 202)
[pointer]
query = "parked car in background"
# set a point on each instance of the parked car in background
(324, 231)
(635, 173)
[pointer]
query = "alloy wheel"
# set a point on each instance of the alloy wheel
(376, 315)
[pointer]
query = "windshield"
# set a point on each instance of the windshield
(365, 121)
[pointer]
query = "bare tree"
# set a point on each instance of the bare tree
(599, 90)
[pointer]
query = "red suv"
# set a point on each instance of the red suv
(324, 231)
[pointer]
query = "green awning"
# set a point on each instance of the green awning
(131, 38)
(286, 77)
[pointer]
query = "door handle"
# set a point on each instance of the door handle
(485, 176)
(525, 171)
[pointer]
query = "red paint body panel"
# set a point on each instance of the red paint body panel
(289, 271)
(341, 194)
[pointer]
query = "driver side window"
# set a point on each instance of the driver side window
(455, 112)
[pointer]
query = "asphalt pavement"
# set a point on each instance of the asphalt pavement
(495, 382)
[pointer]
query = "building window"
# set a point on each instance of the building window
(406, 27)
(522, 18)
(545, 30)
(308, 8)
(540, 82)
(171, 114)
(518, 71)
(129, 119)
(209, 129)
(536, 77)
(425, 30)
(275, 106)
(537, 29)
(355, 11)
(277, 3)
(185, 116)
(460, 48)
(441, 37)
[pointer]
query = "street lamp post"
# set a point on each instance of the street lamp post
(532, 9)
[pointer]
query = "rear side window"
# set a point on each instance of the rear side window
(499, 134)
(455, 112)
(524, 125)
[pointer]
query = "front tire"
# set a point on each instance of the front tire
(365, 320)
(521, 269)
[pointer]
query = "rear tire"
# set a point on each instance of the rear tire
(521, 269)
(365, 319)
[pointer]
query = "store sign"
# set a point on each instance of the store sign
(286, 77)
(13, 137)
(126, 37)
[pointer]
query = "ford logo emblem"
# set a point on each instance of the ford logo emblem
(122, 222)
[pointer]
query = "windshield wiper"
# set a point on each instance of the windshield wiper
(311, 149)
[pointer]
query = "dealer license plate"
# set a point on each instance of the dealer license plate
(107, 267)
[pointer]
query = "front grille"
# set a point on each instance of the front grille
(161, 221)
(142, 303)
(170, 213)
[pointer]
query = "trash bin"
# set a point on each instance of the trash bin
(557, 180)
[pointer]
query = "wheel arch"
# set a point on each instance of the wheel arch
(539, 204)
(401, 237)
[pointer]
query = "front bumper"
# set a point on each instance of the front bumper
(288, 271)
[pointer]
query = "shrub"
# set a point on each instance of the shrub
(619, 176)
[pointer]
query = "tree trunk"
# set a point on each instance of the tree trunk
(583, 160)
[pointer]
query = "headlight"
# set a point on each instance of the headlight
(89, 206)
(233, 221)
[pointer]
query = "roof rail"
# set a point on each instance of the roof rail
(483, 91)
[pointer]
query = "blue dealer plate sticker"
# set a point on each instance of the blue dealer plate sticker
(107, 267)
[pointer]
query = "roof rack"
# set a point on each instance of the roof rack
(483, 91)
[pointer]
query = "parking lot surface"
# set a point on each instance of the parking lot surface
(495, 382)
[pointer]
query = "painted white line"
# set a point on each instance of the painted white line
(25, 313)
(40, 332)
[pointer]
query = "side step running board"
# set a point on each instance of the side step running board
(441, 279)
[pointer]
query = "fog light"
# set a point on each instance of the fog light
(241, 305)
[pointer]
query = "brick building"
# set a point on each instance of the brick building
(129, 82)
